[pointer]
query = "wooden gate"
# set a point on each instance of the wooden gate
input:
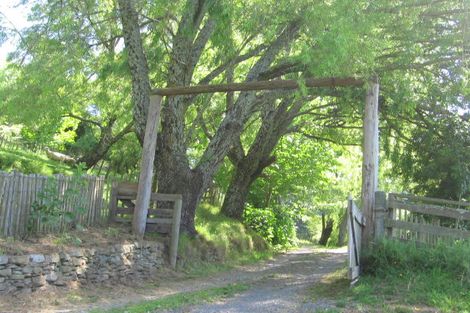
(121, 210)
(355, 225)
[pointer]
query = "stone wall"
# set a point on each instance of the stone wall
(116, 263)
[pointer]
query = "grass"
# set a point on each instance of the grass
(31, 163)
(403, 278)
(222, 243)
(180, 299)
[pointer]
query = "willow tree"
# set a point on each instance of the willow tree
(216, 41)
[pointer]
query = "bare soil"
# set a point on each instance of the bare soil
(93, 237)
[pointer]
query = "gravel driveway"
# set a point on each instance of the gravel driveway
(279, 285)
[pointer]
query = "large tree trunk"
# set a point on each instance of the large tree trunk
(237, 193)
(327, 229)
(275, 122)
(174, 174)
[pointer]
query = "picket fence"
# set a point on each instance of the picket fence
(20, 192)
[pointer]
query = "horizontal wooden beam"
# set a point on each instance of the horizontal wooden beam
(259, 85)
(430, 229)
(153, 197)
(430, 209)
(429, 200)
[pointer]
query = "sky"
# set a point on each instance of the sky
(13, 16)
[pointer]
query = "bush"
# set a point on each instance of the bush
(389, 256)
(276, 225)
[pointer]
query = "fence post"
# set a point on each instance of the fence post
(175, 232)
(380, 208)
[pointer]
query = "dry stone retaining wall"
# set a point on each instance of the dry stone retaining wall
(118, 263)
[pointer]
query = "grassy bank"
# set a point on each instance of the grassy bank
(400, 277)
(222, 243)
(28, 162)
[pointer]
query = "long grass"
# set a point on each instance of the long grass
(404, 277)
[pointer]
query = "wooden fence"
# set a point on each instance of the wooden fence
(62, 199)
(421, 219)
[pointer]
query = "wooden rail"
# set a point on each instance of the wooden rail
(422, 219)
(164, 220)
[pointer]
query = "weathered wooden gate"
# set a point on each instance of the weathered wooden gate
(355, 224)
(122, 207)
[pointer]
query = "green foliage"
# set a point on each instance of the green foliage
(276, 225)
(28, 162)
(50, 207)
(180, 299)
(222, 242)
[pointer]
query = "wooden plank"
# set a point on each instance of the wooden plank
(430, 200)
(175, 231)
(154, 197)
(355, 225)
(144, 189)
(167, 221)
(430, 209)
(163, 221)
(259, 85)
(430, 229)
(370, 163)
(121, 210)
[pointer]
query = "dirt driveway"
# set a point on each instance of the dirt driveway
(278, 285)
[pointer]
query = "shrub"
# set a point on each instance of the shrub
(276, 225)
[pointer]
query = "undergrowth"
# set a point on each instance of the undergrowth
(222, 242)
(403, 277)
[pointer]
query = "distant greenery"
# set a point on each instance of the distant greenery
(28, 162)
(400, 276)
(180, 299)
(276, 225)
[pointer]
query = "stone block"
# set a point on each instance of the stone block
(65, 256)
(37, 258)
(39, 281)
(3, 259)
(27, 270)
(67, 269)
(17, 276)
(76, 252)
(52, 277)
(5, 272)
(19, 259)
(54, 258)
(37, 270)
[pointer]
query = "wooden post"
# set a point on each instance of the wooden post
(370, 163)
(146, 169)
(380, 209)
(175, 231)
